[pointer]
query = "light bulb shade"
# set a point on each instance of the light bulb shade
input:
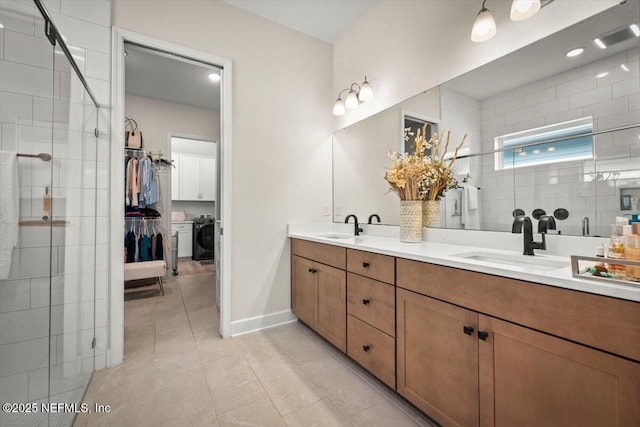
(523, 9)
(366, 93)
(338, 108)
(352, 100)
(484, 27)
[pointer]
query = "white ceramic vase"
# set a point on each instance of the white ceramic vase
(431, 213)
(411, 221)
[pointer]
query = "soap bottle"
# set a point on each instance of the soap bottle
(46, 203)
(616, 250)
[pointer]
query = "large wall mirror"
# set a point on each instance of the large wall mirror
(546, 132)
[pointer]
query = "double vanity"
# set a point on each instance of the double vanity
(471, 335)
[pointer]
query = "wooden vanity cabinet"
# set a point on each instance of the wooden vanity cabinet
(437, 362)
(318, 290)
(528, 378)
(465, 367)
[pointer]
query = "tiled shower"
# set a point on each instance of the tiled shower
(49, 320)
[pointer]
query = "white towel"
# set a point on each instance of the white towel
(470, 212)
(9, 204)
(472, 196)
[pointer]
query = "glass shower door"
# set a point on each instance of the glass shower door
(48, 285)
(74, 184)
(26, 95)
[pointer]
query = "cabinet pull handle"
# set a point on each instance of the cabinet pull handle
(365, 264)
(365, 301)
(313, 270)
(468, 330)
(366, 348)
(483, 335)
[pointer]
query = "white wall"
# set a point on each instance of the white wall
(158, 118)
(407, 46)
(612, 101)
(282, 123)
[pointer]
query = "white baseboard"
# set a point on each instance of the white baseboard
(252, 324)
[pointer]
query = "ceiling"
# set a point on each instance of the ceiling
(323, 19)
(162, 76)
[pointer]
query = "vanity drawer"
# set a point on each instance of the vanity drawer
(372, 349)
(372, 302)
(325, 254)
(375, 266)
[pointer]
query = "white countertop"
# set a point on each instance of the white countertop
(457, 255)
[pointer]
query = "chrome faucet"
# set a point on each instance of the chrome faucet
(521, 222)
(371, 217)
(357, 229)
(585, 226)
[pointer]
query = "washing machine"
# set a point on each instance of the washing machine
(202, 239)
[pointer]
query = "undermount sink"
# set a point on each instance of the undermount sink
(335, 236)
(539, 262)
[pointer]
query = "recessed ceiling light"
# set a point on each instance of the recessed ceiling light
(601, 75)
(574, 52)
(214, 77)
(551, 149)
(624, 67)
(599, 43)
(536, 151)
(635, 29)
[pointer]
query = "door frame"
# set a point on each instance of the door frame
(115, 316)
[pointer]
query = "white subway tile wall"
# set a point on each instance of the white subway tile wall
(612, 100)
(62, 266)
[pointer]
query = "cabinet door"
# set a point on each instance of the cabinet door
(208, 179)
(332, 305)
(437, 362)
(532, 379)
(175, 177)
(185, 240)
(304, 287)
(190, 178)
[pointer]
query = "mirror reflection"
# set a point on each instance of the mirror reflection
(547, 133)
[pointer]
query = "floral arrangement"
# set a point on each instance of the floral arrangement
(438, 177)
(419, 177)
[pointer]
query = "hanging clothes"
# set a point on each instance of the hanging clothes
(130, 243)
(149, 189)
(159, 247)
(145, 248)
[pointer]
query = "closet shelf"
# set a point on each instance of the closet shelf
(43, 223)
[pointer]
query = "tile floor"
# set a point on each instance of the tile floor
(178, 372)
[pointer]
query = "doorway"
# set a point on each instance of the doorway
(178, 105)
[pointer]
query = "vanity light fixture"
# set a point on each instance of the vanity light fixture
(214, 77)
(574, 52)
(484, 26)
(357, 94)
(624, 67)
(523, 9)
